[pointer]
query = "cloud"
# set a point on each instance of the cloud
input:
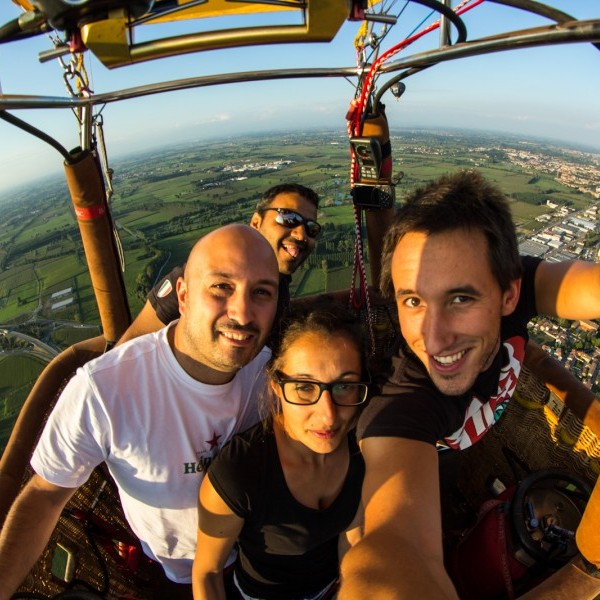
(220, 118)
(592, 126)
(207, 120)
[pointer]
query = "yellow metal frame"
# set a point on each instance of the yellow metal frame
(111, 41)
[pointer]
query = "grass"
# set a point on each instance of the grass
(314, 281)
(139, 218)
(21, 370)
(18, 293)
(341, 278)
(163, 195)
(67, 336)
(45, 225)
(338, 215)
(57, 273)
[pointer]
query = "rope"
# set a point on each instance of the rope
(106, 171)
(354, 119)
(356, 301)
(367, 87)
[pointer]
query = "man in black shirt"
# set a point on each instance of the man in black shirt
(464, 297)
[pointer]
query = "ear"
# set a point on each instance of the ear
(274, 387)
(277, 399)
(255, 221)
(181, 290)
(510, 297)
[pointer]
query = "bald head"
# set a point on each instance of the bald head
(227, 300)
(242, 240)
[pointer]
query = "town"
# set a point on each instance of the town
(568, 235)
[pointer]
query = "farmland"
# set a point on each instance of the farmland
(164, 200)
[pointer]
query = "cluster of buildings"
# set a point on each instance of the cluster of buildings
(564, 238)
(61, 299)
(563, 344)
(582, 173)
(273, 165)
(572, 344)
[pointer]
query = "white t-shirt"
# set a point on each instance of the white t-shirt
(157, 429)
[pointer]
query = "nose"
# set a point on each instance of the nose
(326, 408)
(299, 233)
(436, 330)
(239, 307)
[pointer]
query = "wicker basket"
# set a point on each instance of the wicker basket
(539, 432)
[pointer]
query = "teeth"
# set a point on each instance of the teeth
(238, 337)
(448, 360)
(292, 249)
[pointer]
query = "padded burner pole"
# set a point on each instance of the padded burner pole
(93, 216)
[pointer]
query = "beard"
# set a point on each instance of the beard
(216, 352)
(458, 384)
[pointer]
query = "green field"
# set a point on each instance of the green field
(67, 336)
(17, 375)
(164, 201)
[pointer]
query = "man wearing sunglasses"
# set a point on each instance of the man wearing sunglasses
(285, 216)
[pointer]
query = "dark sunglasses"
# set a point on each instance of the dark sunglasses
(291, 219)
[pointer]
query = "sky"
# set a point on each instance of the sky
(550, 92)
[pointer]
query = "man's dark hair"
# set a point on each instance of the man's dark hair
(287, 188)
(464, 200)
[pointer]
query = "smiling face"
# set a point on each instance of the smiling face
(227, 302)
(450, 305)
(323, 426)
(291, 246)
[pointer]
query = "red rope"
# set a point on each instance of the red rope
(368, 84)
(354, 120)
(357, 300)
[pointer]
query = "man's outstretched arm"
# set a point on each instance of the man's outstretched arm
(162, 307)
(27, 529)
(401, 554)
(570, 289)
(146, 322)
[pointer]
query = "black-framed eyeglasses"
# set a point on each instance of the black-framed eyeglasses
(306, 392)
(291, 219)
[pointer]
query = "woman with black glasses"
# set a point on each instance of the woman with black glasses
(287, 490)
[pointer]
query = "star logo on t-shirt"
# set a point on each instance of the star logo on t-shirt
(214, 442)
